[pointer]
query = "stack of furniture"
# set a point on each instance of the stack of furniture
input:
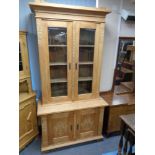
(27, 98)
(130, 64)
(70, 41)
(124, 75)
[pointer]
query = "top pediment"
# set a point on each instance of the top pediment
(51, 7)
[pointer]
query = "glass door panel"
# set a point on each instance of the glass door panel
(57, 44)
(86, 58)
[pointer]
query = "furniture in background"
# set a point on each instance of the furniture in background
(27, 103)
(124, 70)
(127, 132)
(70, 41)
(121, 99)
(118, 105)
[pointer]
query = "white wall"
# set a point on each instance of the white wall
(127, 28)
(114, 28)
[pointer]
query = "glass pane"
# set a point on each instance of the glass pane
(86, 57)
(87, 36)
(86, 54)
(58, 54)
(85, 87)
(58, 72)
(59, 89)
(20, 59)
(57, 36)
(57, 42)
(85, 70)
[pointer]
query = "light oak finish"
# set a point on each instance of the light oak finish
(27, 119)
(45, 109)
(78, 26)
(24, 55)
(68, 26)
(61, 129)
(60, 8)
(58, 128)
(27, 99)
(87, 123)
(24, 75)
(25, 85)
(73, 29)
(50, 147)
(76, 117)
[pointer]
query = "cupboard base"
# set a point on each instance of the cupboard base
(23, 145)
(67, 124)
(50, 147)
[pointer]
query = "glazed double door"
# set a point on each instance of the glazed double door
(69, 60)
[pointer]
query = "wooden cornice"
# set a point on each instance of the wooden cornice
(51, 7)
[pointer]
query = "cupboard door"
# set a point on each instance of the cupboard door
(87, 123)
(58, 59)
(27, 122)
(86, 52)
(60, 127)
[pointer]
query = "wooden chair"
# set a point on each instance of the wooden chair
(129, 139)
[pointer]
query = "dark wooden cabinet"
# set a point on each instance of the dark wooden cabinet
(112, 121)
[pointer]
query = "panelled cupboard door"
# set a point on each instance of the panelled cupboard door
(60, 127)
(86, 36)
(58, 40)
(27, 121)
(87, 123)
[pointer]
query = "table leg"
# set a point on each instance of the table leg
(121, 139)
(126, 142)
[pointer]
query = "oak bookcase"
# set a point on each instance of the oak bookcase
(70, 42)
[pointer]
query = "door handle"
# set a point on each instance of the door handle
(28, 117)
(77, 126)
(76, 66)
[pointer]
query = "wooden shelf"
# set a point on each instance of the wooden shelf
(25, 96)
(86, 46)
(128, 85)
(125, 70)
(85, 79)
(131, 48)
(120, 89)
(60, 80)
(58, 64)
(44, 109)
(123, 52)
(128, 62)
(57, 45)
(118, 78)
(86, 63)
